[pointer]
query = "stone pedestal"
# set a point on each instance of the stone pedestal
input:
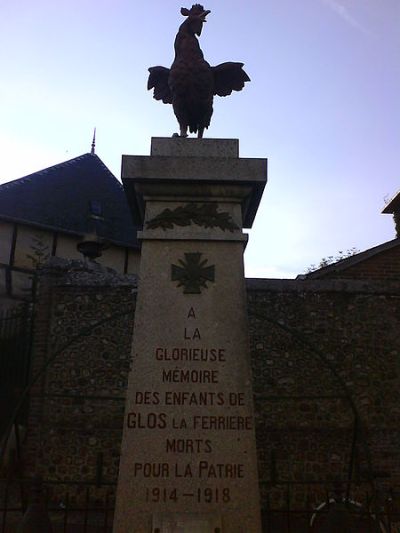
(188, 459)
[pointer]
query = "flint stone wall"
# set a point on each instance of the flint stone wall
(84, 317)
(325, 354)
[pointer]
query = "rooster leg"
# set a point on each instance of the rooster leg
(200, 133)
(183, 128)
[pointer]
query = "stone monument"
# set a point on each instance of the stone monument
(188, 459)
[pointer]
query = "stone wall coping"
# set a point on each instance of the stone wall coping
(71, 272)
(331, 285)
(96, 281)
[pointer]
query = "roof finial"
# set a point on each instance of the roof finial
(93, 142)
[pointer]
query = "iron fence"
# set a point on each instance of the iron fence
(15, 348)
(68, 508)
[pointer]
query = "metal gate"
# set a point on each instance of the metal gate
(15, 351)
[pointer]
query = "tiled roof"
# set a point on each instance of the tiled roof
(61, 198)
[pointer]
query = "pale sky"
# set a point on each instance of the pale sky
(322, 106)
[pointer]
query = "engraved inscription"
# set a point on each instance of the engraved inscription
(202, 470)
(180, 375)
(188, 446)
(190, 354)
(187, 414)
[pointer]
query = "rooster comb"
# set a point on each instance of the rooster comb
(196, 9)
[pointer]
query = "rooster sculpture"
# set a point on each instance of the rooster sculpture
(191, 83)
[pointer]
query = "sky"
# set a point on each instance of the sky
(322, 105)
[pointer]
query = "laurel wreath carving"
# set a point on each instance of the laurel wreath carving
(204, 215)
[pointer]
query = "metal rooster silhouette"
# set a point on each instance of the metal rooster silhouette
(191, 83)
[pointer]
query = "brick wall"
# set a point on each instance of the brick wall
(384, 265)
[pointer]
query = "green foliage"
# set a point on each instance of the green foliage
(340, 256)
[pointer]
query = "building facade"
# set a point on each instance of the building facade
(48, 213)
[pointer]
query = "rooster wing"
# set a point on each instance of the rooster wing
(228, 77)
(158, 80)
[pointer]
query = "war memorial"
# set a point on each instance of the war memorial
(188, 456)
(189, 399)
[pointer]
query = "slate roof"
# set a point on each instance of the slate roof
(61, 198)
